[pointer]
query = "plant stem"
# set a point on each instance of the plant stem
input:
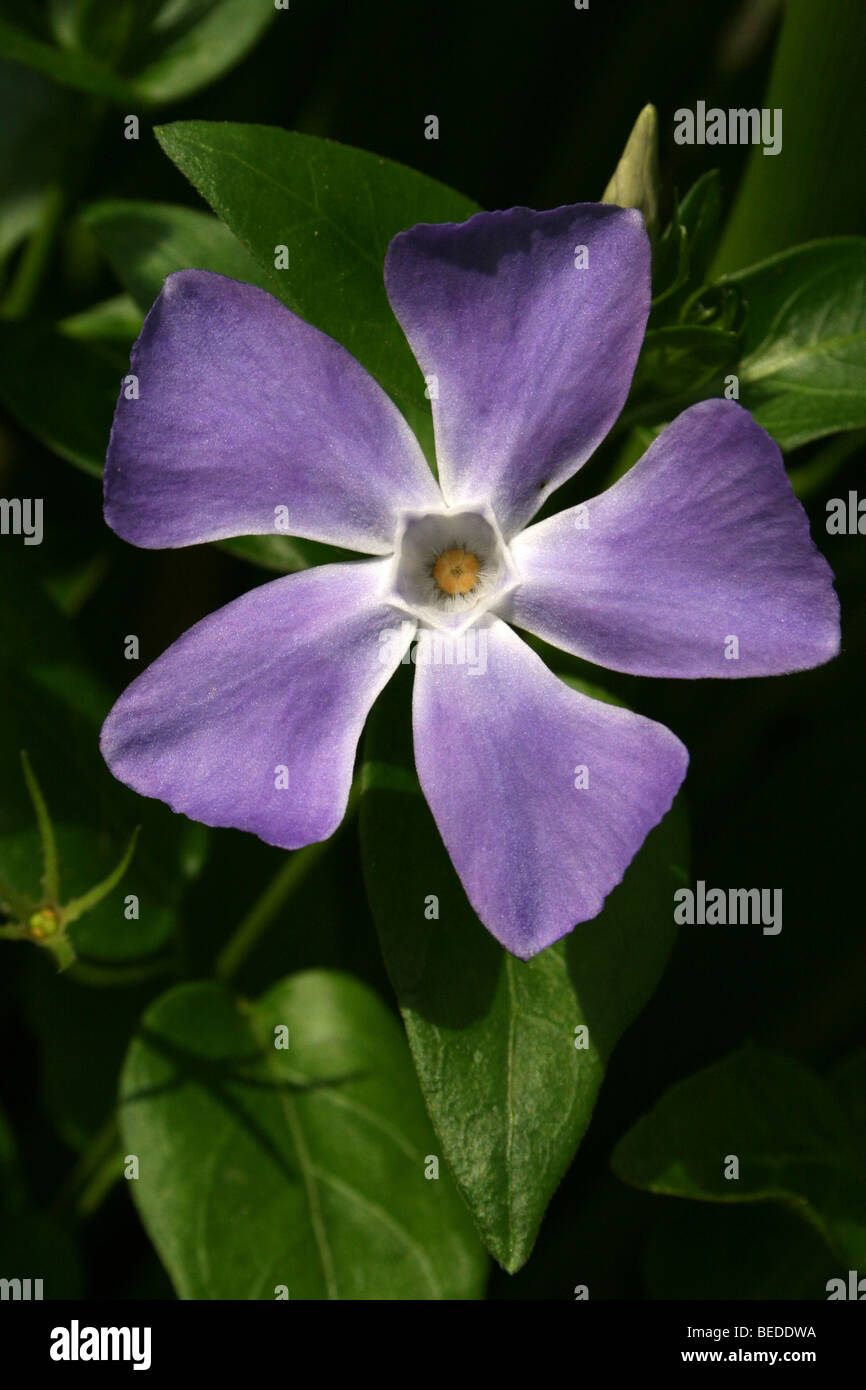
(35, 257)
(281, 887)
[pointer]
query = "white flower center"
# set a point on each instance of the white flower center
(450, 567)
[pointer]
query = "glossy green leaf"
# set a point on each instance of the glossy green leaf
(785, 1126)
(803, 366)
(302, 1166)
(493, 1038)
(336, 209)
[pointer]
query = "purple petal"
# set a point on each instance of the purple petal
(244, 409)
(498, 753)
(281, 678)
(701, 542)
(533, 356)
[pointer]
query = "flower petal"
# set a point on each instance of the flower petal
(533, 356)
(244, 408)
(498, 753)
(282, 678)
(700, 542)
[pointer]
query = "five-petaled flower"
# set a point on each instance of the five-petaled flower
(245, 409)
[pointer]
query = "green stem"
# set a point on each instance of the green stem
(90, 1171)
(263, 911)
(35, 257)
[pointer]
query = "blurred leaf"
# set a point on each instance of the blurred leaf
(803, 367)
(36, 133)
(780, 1121)
(53, 708)
(302, 1167)
(82, 1042)
(683, 357)
(754, 1251)
(32, 1244)
(116, 320)
(284, 554)
(144, 52)
(69, 68)
(848, 1080)
(144, 242)
(493, 1038)
(62, 389)
(336, 209)
(190, 43)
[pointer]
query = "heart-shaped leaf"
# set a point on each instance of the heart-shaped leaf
(284, 1150)
(785, 1128)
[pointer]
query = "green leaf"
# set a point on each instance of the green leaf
(493, 1038)
(683, 357)
(263, 1166)
(336, 209)
(61, 389)
(803, 366)
(784, 1125)
(151, 53)
(682, 255)
(69, 68)
(38, 136)
(284, 554)
(190, 43)
(115, 320)
(700, 214)
(144, 242)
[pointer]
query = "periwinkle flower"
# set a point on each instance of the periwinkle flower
(245, 409)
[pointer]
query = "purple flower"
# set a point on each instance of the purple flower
(249, 417)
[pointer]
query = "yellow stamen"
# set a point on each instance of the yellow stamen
(456, 571)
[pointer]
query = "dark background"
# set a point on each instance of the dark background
(535, 103)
